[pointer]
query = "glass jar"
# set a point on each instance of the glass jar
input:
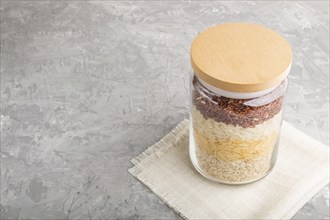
(236, 117)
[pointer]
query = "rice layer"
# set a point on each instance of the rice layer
(236, 171)
(234, 153)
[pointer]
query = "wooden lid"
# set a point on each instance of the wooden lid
(241, 57)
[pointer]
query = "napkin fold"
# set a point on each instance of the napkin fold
(302, 169)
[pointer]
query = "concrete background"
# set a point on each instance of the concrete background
(86, 86)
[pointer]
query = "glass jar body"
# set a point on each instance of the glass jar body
(233, 140)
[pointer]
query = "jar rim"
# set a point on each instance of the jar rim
(241, 95)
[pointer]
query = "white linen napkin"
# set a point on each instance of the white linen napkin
(301, 171)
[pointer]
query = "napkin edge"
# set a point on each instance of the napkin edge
(161, 146)
(307, 197)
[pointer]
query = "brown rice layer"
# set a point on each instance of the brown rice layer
(232, 111)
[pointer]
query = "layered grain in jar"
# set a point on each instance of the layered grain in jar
(236, 140)
(236, 117)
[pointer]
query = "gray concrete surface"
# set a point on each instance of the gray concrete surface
(86, 86)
